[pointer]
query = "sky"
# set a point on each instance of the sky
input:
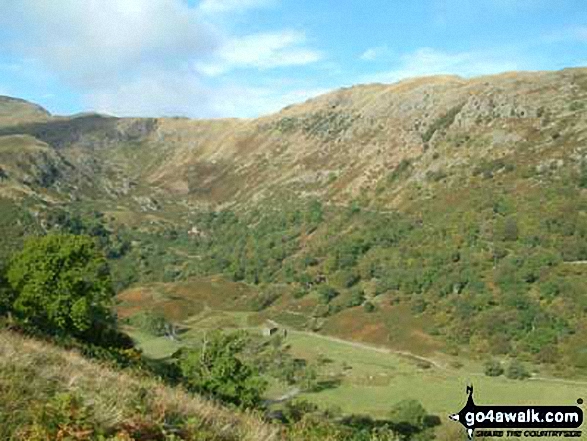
(246, 58)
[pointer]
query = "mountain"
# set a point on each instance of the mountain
(336, 146)
(458, 202)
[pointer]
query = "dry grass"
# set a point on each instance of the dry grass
(32, 372)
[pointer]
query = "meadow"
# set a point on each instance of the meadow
(357, 377)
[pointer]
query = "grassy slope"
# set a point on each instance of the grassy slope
(34, 375)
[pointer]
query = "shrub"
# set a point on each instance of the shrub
(345, 278)
(517, 371)
(408, 417)
(510, 229)
(582, 182)
(493, 368)
(357, 298)
(153, 323)
(436, 176)
(6, 294)
(401, 168)
(369, 307)
(442, 122)
(265, 299)
(327, 293)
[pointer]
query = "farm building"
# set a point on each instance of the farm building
(271, 329)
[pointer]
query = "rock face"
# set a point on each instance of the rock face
(338, 146)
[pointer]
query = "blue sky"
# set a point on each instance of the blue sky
(244, 58)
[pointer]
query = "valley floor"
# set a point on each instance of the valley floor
(361, 378)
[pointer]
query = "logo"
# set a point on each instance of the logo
(551, 418)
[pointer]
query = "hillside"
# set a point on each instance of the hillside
(336, 146)
(44, 387)
(456, 205)
(15, 110)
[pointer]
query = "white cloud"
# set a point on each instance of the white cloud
(254, 101)
(90, 42)
(226, 6)
(374, 53)
(581, 34)
(369, 54)
(151, 57)
(175, 94)
(261, 51)
(154, 93)
(427, 61)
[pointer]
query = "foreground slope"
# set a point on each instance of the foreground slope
(44, 387)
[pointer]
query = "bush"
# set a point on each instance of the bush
(357, 298)
(408, 417)
(7, 294)
(493, 368)
(582, 182)
(345, 278)
(63, 286)
(369, 307)
(517, 371)
(153, 323)
(327, 293)
(265, 299)
(510, 230)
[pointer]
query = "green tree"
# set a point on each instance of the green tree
(216, 369)
(409, 418)
(408, 411)
(510, 230)
(151, 322)
(582, 181)
(356, 299)
(369, 307)
(493, 368)
(62, 285)
(517, 371)
(6, 293)
(327, 293)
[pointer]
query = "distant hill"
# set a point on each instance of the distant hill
(14, 110)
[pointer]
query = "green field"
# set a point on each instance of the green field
(369, 380)
(376, 380)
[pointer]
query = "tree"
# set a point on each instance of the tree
(6, 293)
(327, 293)
(152, 322)
(517, 371)
(409, 418)
(216, 369)
(493, 368)
(410, 412)
(62, 286)
(356, 299)
(369, 307)
(583, 177)
(510, 230)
